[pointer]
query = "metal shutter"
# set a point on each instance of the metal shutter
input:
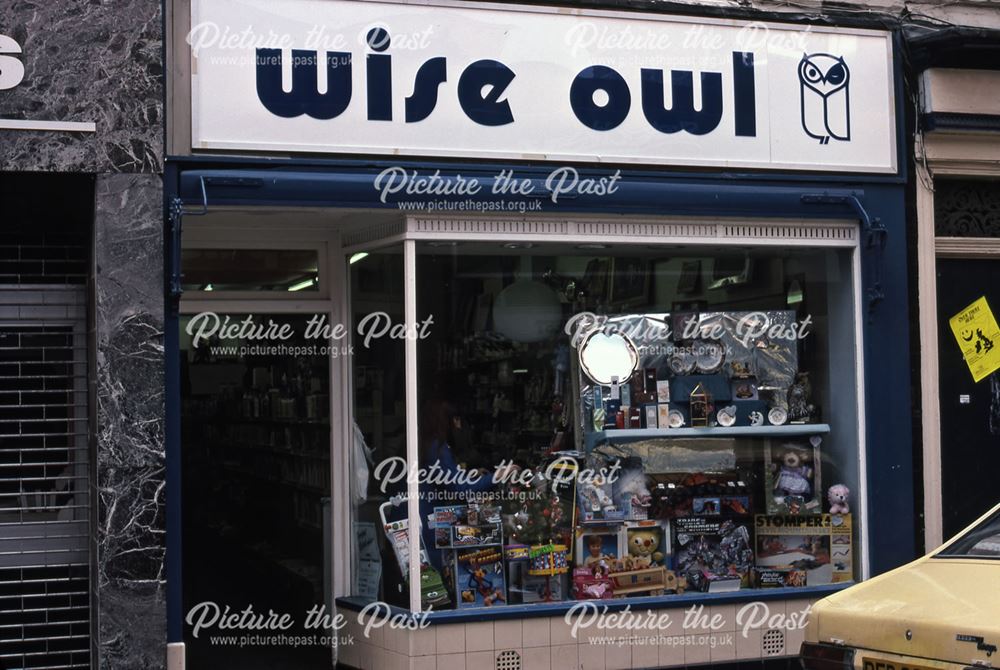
(44, 451)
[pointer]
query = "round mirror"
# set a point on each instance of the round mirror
(603, 357)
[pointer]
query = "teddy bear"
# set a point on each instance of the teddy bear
(838, 495)
(794, 476)
(643, 548)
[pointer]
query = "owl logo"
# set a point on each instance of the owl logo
(825, 96)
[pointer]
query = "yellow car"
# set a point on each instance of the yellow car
(940, 612)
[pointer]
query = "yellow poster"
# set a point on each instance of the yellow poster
(978, 337)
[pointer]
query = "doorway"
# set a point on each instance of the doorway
(970, 410)
(257, 395)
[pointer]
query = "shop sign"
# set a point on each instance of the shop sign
(11, 76)
(496, 81)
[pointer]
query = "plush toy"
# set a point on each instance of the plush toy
(838, 495)
(642, 547)
(794, 477)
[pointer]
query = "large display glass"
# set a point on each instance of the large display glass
(602, 422)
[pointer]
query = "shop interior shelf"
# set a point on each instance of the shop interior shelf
(635, 434)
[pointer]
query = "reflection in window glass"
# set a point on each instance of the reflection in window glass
(981, 542)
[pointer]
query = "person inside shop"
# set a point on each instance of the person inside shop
(446, 442)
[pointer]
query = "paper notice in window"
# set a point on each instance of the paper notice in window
(978, 337)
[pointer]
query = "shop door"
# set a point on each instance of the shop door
(970, 411)
(255, 454)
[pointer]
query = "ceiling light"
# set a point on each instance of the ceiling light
(361, 255)
(303, 284)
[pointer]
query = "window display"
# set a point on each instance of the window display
(618, 427)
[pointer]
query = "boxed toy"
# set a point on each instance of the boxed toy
(595, 502)
(792, 476)
(767, 578)
(631, 494)
(479, 577)
(820, 545)
(714, 554)
(466, 525)
(599, 546)
(523, 587)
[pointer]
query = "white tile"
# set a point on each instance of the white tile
(422, 663)
(618, 656)
(535, 632)
(536, 658)
(392, 638)
(480, 660)
(423, 642)
(565, 657)
(561, 632)
(726, 614)
(591, 656)
(507, 634)
(645, 654)
(723, 647)
(671, 651)
(451, 661)
(450, 639)
(479, 636)
(697, 651)
(694, 619)
(794, 640)
(748, 646)
(376, 636)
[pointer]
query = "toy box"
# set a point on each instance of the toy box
(466, 525)
(714, 554)
(479, 577)
(768, 578)
(591, 584)
(523, 587)
(630, 491)
(599, 545)
(820, 545)
(595, 502)
(792, 476)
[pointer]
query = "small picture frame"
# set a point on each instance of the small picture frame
(629, 281)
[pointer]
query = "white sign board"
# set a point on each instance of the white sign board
(516, 82)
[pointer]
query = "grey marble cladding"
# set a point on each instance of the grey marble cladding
(130, 457)
(95, 61)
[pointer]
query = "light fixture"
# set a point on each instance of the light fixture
(592, 245)
(527, 311)
(361, 255)
(208, 287)
(306, 283)
(519, 245)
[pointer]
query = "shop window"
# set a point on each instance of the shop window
(597, 424)
(283, 271)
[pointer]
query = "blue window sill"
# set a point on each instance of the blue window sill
(614, 605)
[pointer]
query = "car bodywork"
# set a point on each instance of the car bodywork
(940, 611)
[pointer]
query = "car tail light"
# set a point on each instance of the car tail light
(826, 657)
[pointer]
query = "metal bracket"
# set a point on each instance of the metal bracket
(176, 216)
(876, 238)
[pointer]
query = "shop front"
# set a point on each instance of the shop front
(519, 338)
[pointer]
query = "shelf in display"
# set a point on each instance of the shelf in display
(635, 434)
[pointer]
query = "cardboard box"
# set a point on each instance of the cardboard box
(820, 544)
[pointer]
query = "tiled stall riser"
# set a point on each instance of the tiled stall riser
(547, 643)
